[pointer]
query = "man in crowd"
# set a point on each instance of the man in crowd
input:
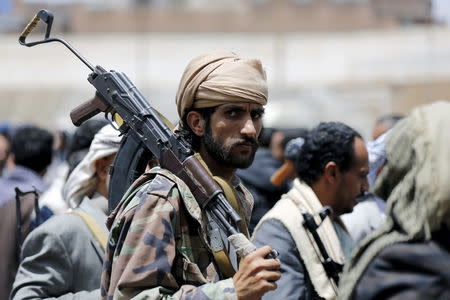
(370, 212)
(31, 152)
(78, 148)
(332, 166)
(408, 257)
(63, 257)
(385, 123)
(158, 246)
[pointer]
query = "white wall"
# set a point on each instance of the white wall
(312, 77)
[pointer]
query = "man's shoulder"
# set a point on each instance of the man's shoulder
(158, 182)
(60, 225)
(406, 269)
(284, 210)
(155, 182)
(148, 189)
(165, 184)
(272, 228)
(411, 253)
(159, 185)
(279, 219)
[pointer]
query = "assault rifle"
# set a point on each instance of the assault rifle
(125, 107)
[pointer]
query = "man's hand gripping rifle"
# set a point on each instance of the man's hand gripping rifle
(122, 103)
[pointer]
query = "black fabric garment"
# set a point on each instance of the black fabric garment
(256, 179)
(417, 270)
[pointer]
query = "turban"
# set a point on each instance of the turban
(82, 181)
(221, 77)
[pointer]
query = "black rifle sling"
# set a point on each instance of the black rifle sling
(130, 163)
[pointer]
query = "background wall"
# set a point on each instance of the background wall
(348, 60)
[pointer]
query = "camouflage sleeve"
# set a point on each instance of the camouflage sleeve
(142, 265)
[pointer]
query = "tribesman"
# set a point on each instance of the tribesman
(331, 167)
(159, 244)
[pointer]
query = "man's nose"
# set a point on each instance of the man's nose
(249, 128)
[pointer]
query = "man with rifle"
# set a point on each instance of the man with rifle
(162, 244)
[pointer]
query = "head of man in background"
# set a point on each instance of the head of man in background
(81, 140)
(333, 161)
(32, 148)
(385, 123)
(31, 152)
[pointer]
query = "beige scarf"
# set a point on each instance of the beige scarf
(302, 198)
(221, 77)
(415, 183)
(82, 181)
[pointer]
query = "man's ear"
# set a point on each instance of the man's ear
(331, 172)
(102, 168)
(196, 122)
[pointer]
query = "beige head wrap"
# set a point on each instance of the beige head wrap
(221, 77)
(415, 182)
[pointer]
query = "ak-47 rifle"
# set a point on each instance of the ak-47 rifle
(127, 108)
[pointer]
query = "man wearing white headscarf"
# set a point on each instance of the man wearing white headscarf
(408, 257)
(160, 237)
(63, 257)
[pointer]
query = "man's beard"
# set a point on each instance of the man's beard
(224, 155)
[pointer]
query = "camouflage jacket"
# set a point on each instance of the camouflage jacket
(158, 247)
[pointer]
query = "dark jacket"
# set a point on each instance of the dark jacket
(26, 180)
(418, 270)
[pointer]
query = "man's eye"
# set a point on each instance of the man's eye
(232, 113)
(257, 115)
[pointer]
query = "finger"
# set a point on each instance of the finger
(261, 264)
(263, 251)
(271, 264)
(269, 286)
(272, 276)
(257, 254)
(268, 275)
